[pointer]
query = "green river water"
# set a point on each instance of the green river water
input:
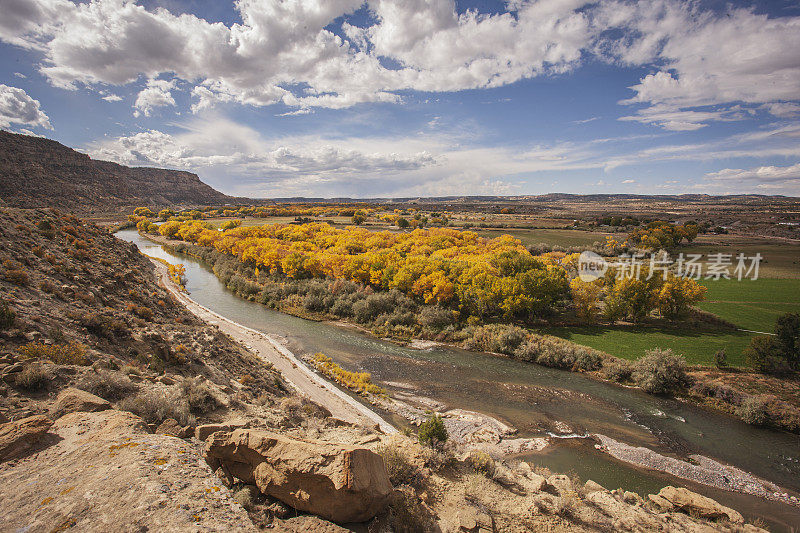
(530, 398)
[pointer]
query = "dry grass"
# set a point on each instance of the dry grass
(72, 353)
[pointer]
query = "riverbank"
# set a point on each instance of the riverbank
(430, 369)
(737, 397)
(269, 350)
(470, 430)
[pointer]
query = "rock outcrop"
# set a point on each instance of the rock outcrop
(19, 437)
(38, 172)
(697, 504)
(342, 483)
(72, 400)
(106, 473)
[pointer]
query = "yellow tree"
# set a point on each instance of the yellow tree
(586, 297)
(677, 295)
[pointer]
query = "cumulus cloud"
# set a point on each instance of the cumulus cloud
(239, 160)
(17, 107)
(287, 51)
(766, 174)
(156, 94)
(706, 60)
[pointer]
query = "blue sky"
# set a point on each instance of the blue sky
(417, 97)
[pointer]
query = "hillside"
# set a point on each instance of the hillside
(38, 172)
(112, 387)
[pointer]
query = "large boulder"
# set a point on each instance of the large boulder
(342, 483)
(698, 505)
(19, 437)
(72, 400)
(104, 472)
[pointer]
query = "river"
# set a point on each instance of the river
(531, 398)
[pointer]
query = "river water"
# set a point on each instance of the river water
(532, 398)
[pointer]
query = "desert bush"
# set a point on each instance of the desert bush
(7, 315)
(617, 370)
(72, 353)
(660, 371)
(720, 359)
(401, 470)
(372, 306)
(198, 396)
(587, 359)
(33, 378)
(104, 325)
(145, 313)
(432, 431)
(396, 318)
(718, 391)
(435, 317)
(246, 497)
(343, 305)
(763, 354)
(314, 302)
(482, 463)
(17, 276)
(409, 515)
(360, 382)
(113, 386)
(497, 338)
(154, 407)
(755, 410)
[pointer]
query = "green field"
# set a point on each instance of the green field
(631, 342)
(753, 305)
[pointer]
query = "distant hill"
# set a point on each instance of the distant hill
(39, 172)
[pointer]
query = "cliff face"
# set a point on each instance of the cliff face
(38, 172)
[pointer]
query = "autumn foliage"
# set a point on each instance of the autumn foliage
(481, 277)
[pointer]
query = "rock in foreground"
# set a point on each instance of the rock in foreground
(19, 437)
(106, 473)
(338, 482)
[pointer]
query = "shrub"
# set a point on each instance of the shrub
(112, 386)
(401, 470)
(7, 315)
(33, 378)
(154, 407)
(198, 396)
(720, 359)
(497, 338)
(17, 276)
(435, 317)
(409, 515)
(482, 463)
(432, 431)
(755, 410)
(360, 382)
(104, 325)
(763, 354)
(660, 371)
(587, 360)
(73, 353)
(617, 370)
(245, 497)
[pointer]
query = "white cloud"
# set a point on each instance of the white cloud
(16, 107)
(783, 109)
(628, 181)
(156, 94)
(736, 57)
(240, 161)
(764, 174)
(282, 52)
(112, 98)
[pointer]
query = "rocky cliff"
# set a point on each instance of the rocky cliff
(39, 172)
